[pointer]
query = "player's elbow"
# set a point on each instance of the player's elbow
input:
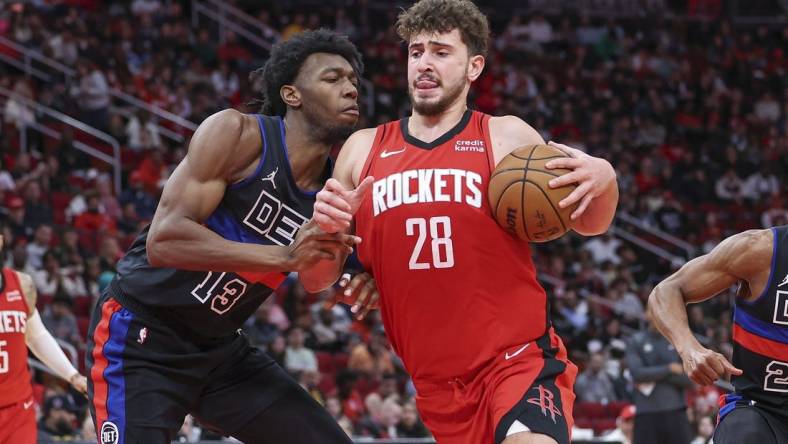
(157, 245)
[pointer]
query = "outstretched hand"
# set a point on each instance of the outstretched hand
(361, 292)
(335, 205)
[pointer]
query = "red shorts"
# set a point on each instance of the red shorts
(18, 423)
(530, 383)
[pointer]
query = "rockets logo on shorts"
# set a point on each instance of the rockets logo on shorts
(109, 433)
(545, 401)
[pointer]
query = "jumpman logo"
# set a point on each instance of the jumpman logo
(545, 402)
(271, 177)
(785, 281)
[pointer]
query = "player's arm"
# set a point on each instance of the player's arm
(738, 258)
(597, 187)
(220, 150)
(336, 205)
(41, 342)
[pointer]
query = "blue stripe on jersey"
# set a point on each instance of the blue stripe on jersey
(250, 178)
(116, 383)
(223, 223)
(759, 327)
(775, 241)
(730, 404)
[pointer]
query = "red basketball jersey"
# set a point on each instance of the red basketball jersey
(456, 289)
(14, 375)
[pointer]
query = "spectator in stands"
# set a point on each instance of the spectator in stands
(297, 357)
(91, 92)
(373, 359)
(775, 215)
(729, 187)
(143, 201)
(16, 219)
(660, 385)
(603, 248)
(48, 279)
(705, 431)
(329, 334)
(93, 219)
(36, 249)
(37, 210)
(59, 319)
(225, 82)
(411, 426)
(334, 407)
(625, 430)
(141, 132)
(352, 404)
(260, 330)
(58, 418)
(108, 203)
(594, 384)
(17, 112)
(6, 179)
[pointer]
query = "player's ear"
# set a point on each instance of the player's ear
(475, 67)
(290, 95)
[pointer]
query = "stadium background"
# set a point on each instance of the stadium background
(687, 99)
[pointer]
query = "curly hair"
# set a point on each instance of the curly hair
(444, 16)
(286, 60)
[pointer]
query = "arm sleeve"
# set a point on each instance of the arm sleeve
(46, 348)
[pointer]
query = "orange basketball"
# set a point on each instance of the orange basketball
(521, 199)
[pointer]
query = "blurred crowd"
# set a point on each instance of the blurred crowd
(692, 113)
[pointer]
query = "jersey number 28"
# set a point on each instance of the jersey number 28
(440, 235)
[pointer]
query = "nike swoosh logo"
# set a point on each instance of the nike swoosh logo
(385, 153)
(508, 356)
(27, 404)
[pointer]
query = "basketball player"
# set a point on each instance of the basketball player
(20, 328)
(459, 296)
(757, 411)
(229, 227)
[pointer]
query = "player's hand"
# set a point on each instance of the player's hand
(704, 366)
(80, 383)
(313, 245)
(592, 175)
(335, 206)
(361, 292)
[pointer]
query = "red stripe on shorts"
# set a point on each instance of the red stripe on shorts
(100, 337)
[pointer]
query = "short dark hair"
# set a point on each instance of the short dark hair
(444, 16)
(288, 57)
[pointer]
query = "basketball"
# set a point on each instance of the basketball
(521, 199)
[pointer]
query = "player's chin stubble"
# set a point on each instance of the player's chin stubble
(435, 108)
(326, 131)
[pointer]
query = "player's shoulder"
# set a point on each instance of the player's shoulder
(358, 144)
(226, 141)
(353, 155)
(751, 241)
(513, 125)
(745, 252)
(508, 133)
(28, 288)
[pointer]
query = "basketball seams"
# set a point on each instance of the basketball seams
(536, 185)
(527, 169)
(503, 193)
(522, 193)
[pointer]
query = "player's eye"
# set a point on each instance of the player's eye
(443, 53)
(415, 54)
(331, 79)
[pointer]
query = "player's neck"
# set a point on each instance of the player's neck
(307, 156)
(429, 128)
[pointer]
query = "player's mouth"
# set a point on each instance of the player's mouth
(426, 83)
(353, 110)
